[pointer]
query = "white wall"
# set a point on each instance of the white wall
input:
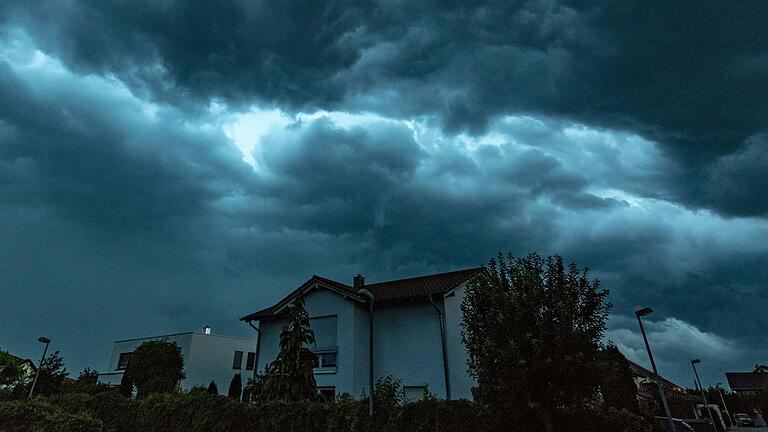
(210, 359)
(407, 344)
(352, 343)
(461, 382)
(206, 358)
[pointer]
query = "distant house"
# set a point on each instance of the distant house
(407, 328)
(27, 365)
(207, 357)
(749, 382)
(646, 385)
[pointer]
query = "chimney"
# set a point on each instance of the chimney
(358, 281)
(207, 330)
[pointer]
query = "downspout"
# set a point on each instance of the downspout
(445, 353)
(258, 348)
(368, 294)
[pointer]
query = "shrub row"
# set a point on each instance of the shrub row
(196, 412)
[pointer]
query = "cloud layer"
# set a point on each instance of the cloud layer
(172, 165)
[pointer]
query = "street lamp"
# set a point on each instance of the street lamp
(46, 341)
(725, 407)
(640, 313)
(694, 362)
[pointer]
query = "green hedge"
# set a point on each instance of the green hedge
(196, 412)
(40, 415)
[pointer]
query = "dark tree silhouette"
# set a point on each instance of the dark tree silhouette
(533, 329)
(235, 387)
(156, 366)
(617, 387)
(52, 375)
(213, 389)
(291, 377)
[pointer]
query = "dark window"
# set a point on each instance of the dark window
(250, 360)
(238, 362)
(327, 393)
(328, 360)
(122, 363)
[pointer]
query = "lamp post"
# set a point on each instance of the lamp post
(694, 362)
(46, 341)
(725, 407)
(640, 313)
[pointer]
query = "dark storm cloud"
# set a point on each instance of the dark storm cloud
(123, 203)
(688, 75)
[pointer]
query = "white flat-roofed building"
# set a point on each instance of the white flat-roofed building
(207, 357)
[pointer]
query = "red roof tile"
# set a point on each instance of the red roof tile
(420, 286)
(747, 381)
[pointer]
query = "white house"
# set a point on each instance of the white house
(207, 357)
(407, 328)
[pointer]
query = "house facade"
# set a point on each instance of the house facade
(407, 328)
(749, 382)
(207, 357)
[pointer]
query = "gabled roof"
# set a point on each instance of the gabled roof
(311, 283)
(638, 370)
(400, 289)
(420, 286)
(747, 380)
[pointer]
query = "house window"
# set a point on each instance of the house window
(325, 329)
(237, 363)
(414, 393)
(327, 393)
(122, 362)
(250, 361)
(326, 361)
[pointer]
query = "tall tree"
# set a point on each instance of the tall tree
(533, 329)
(156, 366)
(617, 386)
(291, 377)
(235, 387)
(213, 388)
(52, 374)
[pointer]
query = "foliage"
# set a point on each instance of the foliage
(433, 414)
(156, 366)
(213, 389)
(40, 415)
(533, 329)
(197, 412)
(235, 387)
(51, 375)
(589, 418)
(11, 370)
(388, 396)
(291, 377)
(617, 386)
(86, 382)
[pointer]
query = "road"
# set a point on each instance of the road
(748, 429)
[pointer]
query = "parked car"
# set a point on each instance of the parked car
(742, 419)
(680, 425)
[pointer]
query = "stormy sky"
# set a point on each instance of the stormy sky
(170, 164)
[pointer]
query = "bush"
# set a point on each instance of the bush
(201, 412)
(40, 415)
(435, 415)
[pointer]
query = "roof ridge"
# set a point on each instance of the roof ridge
(325, 279)
(425, 276)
